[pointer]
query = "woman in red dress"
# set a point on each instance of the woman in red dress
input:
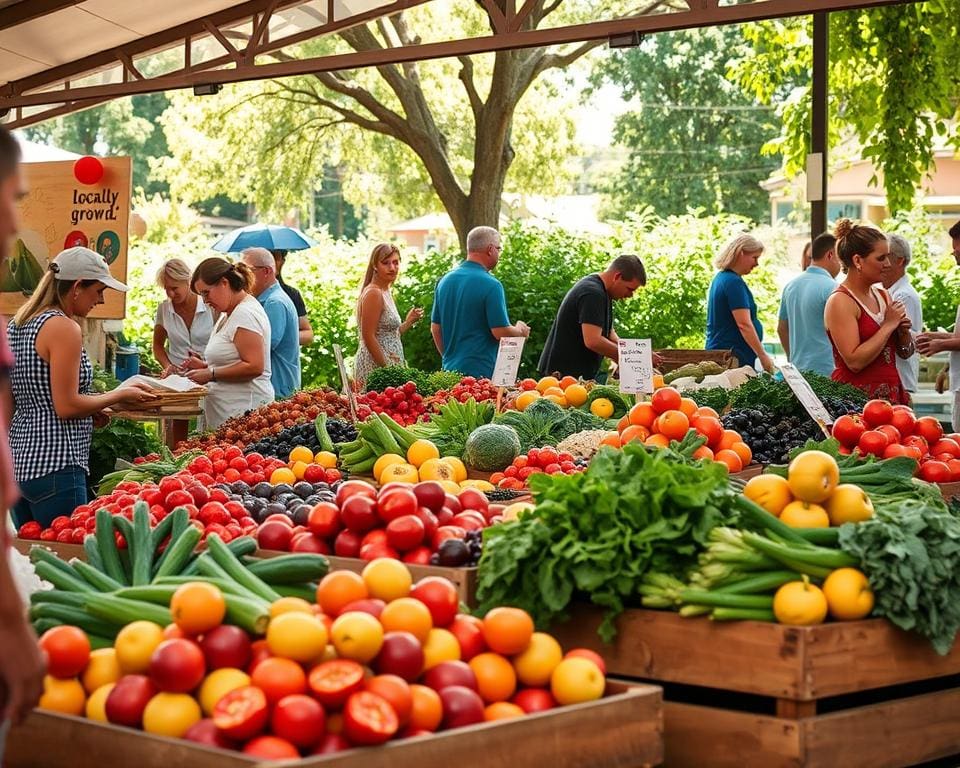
(867, 329)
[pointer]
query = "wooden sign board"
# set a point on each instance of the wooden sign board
(59, 212)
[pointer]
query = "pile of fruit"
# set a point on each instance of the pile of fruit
(536, 460)
(771, 437)
(404, 404)
(320, 435)
(886, 431)
(377, 658)
(480, 390)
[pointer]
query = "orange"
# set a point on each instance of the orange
(301, 453)
(674, 424)
(298, 636)
(407, 614)
(710, 427)
(728, 439)
(442, 645)
(642, 415)
(198, 607)
(553, 391)
(567, 381)
(730, 458)
(290, 605)
(545, 383)
(743, 451)
(502, 710)
(623, 424)
(427, 710)
(64, 696)
(276, 677)
(612, 438)
(575, 394)
(507, 630)
(634, 433)
(688, 406)
(771, 492)
(666, 399)
(496, 678)
(387, 579)
(535, 665)
(102, 669)
(420, 451)
(703, 452)
(704, 410)
(135, 644)
(282, 475)
(657, 441)
(356, 636)
(338, 589)
(171, 714)
(525, 398)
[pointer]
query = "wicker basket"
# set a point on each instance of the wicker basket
(674, 358)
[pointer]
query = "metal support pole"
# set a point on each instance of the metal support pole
(817, 168)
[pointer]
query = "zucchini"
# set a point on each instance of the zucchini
(76, 617)
(224, 585)
(73, 599)
(40, 554)
(123, 611)
(243, 546)
(141, 552)
(178, 552)
(92, 553)
(236, 571)
(253, 615)
(107, 545)
(290, 569)
(42, 625)
(68, 582)
(306, 592)
(97, 579)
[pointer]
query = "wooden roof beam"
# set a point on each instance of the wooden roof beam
(28, 10)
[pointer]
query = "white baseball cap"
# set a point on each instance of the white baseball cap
(80, 263)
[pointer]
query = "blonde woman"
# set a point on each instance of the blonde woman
(378, 320)
(184, 323)
(53, 408)
(731, 310)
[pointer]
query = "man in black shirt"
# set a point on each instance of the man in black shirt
(582, 333)
(306, 330)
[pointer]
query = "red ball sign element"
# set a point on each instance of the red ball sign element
(76, 238)
(88, 170)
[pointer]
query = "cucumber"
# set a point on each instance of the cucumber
(178, 552)
(40, 554)
(290, 569)
(73, 599)
(141, 553)
(163, 529)
(306, 592)
(123, 611)
(236, 571)
(68, 582)
(42, 625)
(107, 545)
(159, 594)
(76, 617)
(97, 579)
(99, 641)
(243, 546)
(223, 584)
(253, 615)
(209, 568)
(92, 553)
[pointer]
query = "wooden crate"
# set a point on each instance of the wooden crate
(750, 694)
(624, 729)
(674, 358)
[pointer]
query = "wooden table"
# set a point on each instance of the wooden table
(173, 422)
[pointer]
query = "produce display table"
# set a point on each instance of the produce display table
(755, 694)
(173, 421)
(623, 729)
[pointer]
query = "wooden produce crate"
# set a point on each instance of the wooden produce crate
(674, 358)
(747, 694)
(623, 729)
(950, 490)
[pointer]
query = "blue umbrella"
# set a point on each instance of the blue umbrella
(269, 236)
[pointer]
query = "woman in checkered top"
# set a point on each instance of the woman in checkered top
(53, 409)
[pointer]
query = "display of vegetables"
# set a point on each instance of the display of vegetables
(453, 423)
(321, 435)
(544, 423)
(534, 461)
(775, 394)
(404, 404)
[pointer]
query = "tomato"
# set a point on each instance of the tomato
(954, 466)
(299, 719)
(461, 706)
(309, 542)
(396, 503)
(452, 503)
(397, 693)
(31, 530)
(877, 412)
(274, 534)
(232, 452)
(894, 450)
(945, 445)
(330, 743)
(67, 649)
(935, 472)
(418, 556)
(170, 484)
(178, 498)
(873, 442)
(848, 429)
(471, 498)
(440, 597)
(904, 420)
(892, 433)
(205, 732)
(359, 511)
(332, 682)
(347, 544)
(355, 488)
(199, 493)
(271, 748)
(226, 646)
(405, 532)
(929, 429)
(242, 713)
(128, 698)
(369, 719)
(534, 700)
(445, 532)
(919, 443)
(430, 494)
(177, 666)
(469, 633)
(471, 520)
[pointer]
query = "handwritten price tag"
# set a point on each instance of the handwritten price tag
(805, 394)
(508, 361)
(636, 366)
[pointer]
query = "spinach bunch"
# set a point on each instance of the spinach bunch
(910, 553)
(594, 535)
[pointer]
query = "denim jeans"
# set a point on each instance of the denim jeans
(50, 496)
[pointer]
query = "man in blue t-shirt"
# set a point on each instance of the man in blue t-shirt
(801, 329)
(469, 314)
(284, 325)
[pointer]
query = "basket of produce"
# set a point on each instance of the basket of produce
(676, 358)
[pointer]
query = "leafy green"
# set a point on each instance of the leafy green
(546, 423)
(450, 427)
(910, 553)
(597, 533)
(717, 398)
(119, 439)
(441, 380)
(396, 376)
(775, 394)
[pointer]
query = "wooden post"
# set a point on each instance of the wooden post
(819, 133)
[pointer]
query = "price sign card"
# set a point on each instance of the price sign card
(345, 380)
(508, 361)
(636, 366)
(808, 399)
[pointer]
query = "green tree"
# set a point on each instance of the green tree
(455, 132)
(894, 85)
(695, 139)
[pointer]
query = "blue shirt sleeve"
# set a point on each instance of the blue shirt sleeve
(496, 307)
(276, 314)
(736, 293)
(435, 309)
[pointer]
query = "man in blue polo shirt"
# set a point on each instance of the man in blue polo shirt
(284, 326)
(801, 328)
(469, 314)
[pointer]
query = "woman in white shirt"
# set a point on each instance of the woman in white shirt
(236, 371)
(184, 323)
